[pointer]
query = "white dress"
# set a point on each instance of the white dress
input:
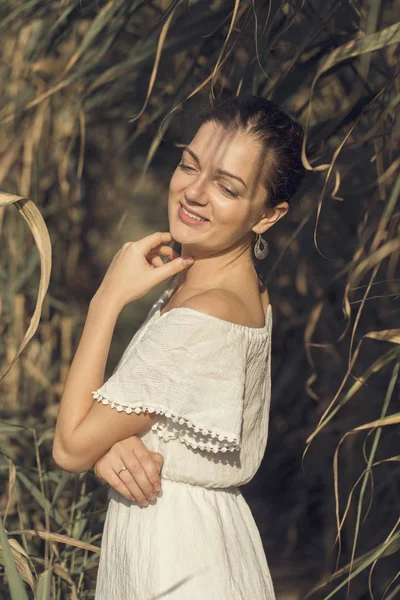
(209, 379)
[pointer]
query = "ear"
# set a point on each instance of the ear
(270, 216)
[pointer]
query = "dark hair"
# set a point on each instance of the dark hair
(281, 139)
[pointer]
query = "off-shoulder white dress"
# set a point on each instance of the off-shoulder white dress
(209, 379)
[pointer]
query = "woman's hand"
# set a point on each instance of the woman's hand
(138, 267)
(141, 479)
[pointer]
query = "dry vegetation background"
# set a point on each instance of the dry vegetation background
(96, 98)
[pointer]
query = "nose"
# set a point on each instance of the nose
(198, 200)
(195, 193)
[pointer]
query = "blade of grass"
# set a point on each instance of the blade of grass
(58, 537)
(41, 499)
(43, 590)
(32, 216)
(368, 474)
(15, 583)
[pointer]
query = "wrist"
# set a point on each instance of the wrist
(104, 305)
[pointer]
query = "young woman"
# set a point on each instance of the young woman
(194, 382)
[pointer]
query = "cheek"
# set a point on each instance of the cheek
(176, 183)
(230, 211)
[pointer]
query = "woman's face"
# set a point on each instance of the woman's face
(219, 178)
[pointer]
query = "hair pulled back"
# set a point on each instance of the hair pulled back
(280, 138)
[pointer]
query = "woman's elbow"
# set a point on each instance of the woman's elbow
(68, 461)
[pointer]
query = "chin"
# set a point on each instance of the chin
(180, 231)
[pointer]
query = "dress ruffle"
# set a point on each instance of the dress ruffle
(191, 434)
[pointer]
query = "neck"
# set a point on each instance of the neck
(210, 271)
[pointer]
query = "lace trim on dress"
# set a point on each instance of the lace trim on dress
(192, 435)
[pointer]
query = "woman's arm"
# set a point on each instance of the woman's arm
(86, 429)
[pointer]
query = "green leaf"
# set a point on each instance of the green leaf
(15, 583)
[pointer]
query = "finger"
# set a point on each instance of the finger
(151, 461)
(162, 249)
(171, 268)
(108, 474)
(136, 480)
(157, 261)
(96, 473)
(157, 478)
(157, 458)
(168, 252)
(133, 453)
(115, 482)
(108, 470)
(154, 239)
(135, 490)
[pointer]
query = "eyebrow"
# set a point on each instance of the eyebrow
(219, 171)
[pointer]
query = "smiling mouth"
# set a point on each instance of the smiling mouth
(190, 214)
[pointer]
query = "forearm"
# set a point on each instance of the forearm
(86, 373)
(85, 429)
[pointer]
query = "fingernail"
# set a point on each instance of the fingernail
(157, 487)
(151, 496)
(145, 503)
(187, 260)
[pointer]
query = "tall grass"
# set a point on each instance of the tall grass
(96, 99)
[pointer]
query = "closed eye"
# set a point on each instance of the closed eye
(185, 167)
(226, 190)
(229, 192)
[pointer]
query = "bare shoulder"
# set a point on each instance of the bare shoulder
(220, 303)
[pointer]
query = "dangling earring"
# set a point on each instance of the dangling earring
(260, 252)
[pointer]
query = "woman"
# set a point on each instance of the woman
(194, 382)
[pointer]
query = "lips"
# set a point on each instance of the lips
(193, 212)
